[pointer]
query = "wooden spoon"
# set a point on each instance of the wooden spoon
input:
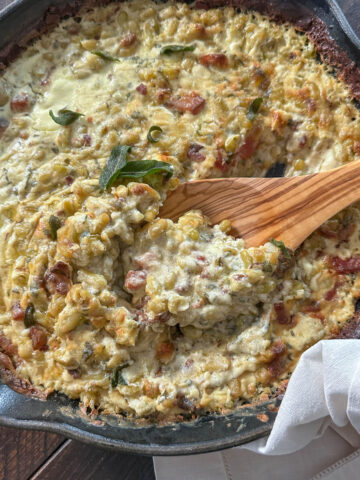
(287, 209)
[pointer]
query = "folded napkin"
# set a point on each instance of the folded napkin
(323, 391)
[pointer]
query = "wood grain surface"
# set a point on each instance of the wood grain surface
(287, 209)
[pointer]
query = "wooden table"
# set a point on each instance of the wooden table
(44, 456)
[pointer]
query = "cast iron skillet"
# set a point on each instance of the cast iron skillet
(62, 415)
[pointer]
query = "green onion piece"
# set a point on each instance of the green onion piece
(254, 108)
(115, 163)
(169, 49)
(154, 128)
(141, 168)
(65, 117)
(54, 224)
(117, 377)
(29, 319)
(105, 56)
(280, 244)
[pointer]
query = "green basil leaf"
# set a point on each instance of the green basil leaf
(117, 377)
(65, 117)
(254, 108)
(115, 163)
(105, 56)
(54, 224)
(29, 319)
(141, 168)
(154, 128)
(280, 244)
(169, 49)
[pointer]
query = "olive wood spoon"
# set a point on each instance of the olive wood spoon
(287, 209)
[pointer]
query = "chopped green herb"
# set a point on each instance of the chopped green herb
(105, 56)
(65, 117)
(141, 168)
(54, 224)
(29, 319)
(254, 108)
(117, 377)
(169, 49)
(280, 244)
(154, 128)
(115, 163)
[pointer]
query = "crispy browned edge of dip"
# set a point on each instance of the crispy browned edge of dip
(303, 20)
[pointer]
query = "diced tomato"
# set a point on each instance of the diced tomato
(282, 316)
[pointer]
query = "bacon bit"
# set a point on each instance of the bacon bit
(282, 316)
(165, 352)
(344, 266)
(142, 88)
(3, 126)
(69, 180)
(250, 144)
(151, 390)
(327, 232)
(311, 105)
(356, 147)
(199, 30)
(138, 189)
(303, 141)
(135, 279)
(163, 94)
(17, 312)
(57, 278)
(314, 307)
(276, 366)
(194, 153)
(333, 291)
(221, 161)
(214, 59)
(278, 121)
(75, 372)
(278, 348)
(20, 103)
(189, 362)
(128, 40)
(146, 260)
(38, 338)
(184, 403)
(87, 140)
(191, 102)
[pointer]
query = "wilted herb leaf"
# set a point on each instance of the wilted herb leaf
(65, 117)
(154, 128)
(141, 168)
(115, 163)
(29, 319)
(54, 224)
(169, 49)
(254, 108)
(105, 56)
(280, 244)
(117, 377)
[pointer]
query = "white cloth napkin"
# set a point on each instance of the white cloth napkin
(323, 391)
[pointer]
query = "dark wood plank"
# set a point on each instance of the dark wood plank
(22, 452)
(85, 462)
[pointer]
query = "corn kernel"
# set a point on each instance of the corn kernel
(194, 235)
(246, 258)
(299, 165)
(225, 226)
(157, 228)
(231, 143)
